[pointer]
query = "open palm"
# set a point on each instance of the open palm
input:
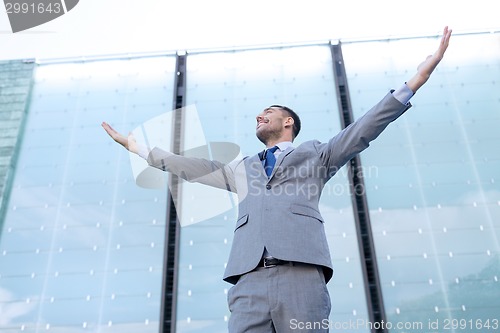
(126, 141)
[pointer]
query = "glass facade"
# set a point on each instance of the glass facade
(82, 245)
(435, 198)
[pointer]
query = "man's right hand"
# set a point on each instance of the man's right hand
(128, 142)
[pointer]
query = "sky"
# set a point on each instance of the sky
(110, 27)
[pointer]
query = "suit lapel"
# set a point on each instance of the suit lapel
(280, 160)
(255, 167)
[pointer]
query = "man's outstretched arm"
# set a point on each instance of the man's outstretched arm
(425, 69)
(198, 170)
(357, 136)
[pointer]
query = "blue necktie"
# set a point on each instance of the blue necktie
(270, 161)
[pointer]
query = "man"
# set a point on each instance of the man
(279, 262)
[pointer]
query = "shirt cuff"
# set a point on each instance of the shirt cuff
(143, 152)
(403, 94)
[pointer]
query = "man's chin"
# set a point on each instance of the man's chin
(262, 138)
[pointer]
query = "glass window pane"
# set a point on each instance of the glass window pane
(82, 244)
(435, 198)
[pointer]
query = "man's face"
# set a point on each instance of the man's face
(270, 124)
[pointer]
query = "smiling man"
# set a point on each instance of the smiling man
(271, 124)
(280, 261)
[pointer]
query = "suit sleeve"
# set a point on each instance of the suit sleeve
(191, 169)
(357, 136)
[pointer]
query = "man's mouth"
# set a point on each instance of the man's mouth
(262, 122)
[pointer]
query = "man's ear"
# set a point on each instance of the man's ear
(289, 121)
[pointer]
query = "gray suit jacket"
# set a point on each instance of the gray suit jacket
(281, 213)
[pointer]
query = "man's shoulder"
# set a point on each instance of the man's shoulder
(308, 145)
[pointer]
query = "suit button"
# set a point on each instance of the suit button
(268, 186)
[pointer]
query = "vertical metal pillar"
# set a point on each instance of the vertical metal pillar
(172, 230)
(376, 310)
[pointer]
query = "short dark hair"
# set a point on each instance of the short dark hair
(291, 113)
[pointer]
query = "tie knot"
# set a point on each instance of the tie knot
(273, 149)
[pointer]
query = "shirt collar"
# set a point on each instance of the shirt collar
(284, 145)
